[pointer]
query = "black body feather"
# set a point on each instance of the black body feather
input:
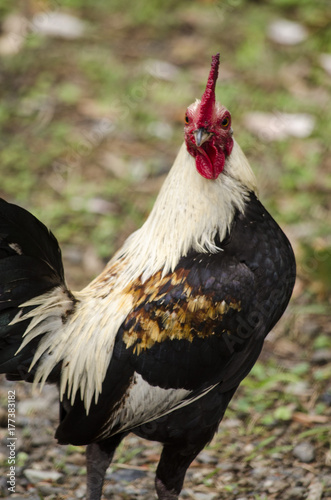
(30, 265)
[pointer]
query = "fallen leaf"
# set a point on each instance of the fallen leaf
(305, 419)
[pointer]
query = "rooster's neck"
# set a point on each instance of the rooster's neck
(189, 213)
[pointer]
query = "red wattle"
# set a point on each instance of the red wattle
(209, 161)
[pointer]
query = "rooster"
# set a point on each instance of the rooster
(158, 343)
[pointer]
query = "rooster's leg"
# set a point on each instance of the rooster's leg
(97, 462)
(98, 458)
(172, 468)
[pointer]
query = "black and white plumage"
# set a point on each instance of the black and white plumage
(159, 342)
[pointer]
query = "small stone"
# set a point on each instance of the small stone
(58, 24)
(40, 438)
(125, 475)
(205, 496)
(302, 480)
(325, 61)
(72, 470)
(287, 32)
(249, 448)
(227, 477)
(46, 489)
(304, 452)
(279, 126)
(42, 404)
(100, 206)
(321, 356)
(315, 490)
(278, 485)
(299, 388)
(161, 70)
(36, 476)
(260, 472)
(32, 406)
(80, 492)
(268, 483)
(231, 423)
(294, 493)
(207, 458)
(225, 466)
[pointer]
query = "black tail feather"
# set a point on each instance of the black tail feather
(30, 266)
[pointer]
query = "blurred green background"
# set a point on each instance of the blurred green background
(91, 119)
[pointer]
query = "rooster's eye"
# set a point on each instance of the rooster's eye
(187, 120)
(225, 122)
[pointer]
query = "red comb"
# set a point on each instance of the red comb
(208, 98)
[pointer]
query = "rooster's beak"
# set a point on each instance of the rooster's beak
(201, 135)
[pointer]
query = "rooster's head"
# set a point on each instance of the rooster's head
(208, 132)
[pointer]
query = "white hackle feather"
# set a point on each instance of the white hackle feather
(188, 214)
